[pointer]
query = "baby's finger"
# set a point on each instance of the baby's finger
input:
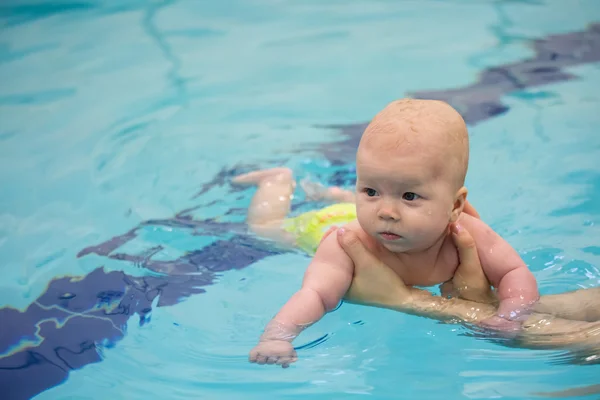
(272, 360)
(252, 356)
(286, 361)
(260, 359)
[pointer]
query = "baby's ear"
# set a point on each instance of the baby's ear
(459, 203)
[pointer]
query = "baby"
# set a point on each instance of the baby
(411, 165)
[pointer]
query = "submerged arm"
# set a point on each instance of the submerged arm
(326, 280)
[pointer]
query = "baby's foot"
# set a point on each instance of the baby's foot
(255, 177)
(315, 192)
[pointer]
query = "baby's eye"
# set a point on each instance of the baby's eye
(410, 196)
(371, 192)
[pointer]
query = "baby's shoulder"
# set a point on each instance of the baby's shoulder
(475, 226)
(484, 236)
(369, 242)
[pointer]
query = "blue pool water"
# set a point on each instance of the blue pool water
(121, 122)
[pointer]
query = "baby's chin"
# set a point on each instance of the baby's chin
(398, 246)
(402, 246)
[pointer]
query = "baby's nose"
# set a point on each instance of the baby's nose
(388, 214)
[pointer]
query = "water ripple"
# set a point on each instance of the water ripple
(45, 97)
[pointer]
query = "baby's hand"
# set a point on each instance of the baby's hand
(280, 352)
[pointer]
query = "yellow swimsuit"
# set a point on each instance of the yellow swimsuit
(308, 228)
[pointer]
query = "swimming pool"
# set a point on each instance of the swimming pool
(120, 125)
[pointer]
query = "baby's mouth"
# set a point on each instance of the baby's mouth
(389, 236)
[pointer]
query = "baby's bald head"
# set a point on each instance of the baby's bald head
(429, 127)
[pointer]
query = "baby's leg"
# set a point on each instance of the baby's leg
(271, 202)
(315, 191)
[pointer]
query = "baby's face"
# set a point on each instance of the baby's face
(403, 201)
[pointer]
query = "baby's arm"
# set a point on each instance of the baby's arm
(516, 286)
(326, 280)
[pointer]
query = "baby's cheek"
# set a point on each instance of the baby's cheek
(428, 215)
(439, 214)
(363, 217)
(431, 222)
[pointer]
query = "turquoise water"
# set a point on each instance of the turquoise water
(112, 114)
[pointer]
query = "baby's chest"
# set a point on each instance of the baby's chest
(424, 272)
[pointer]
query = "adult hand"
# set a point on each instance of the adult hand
(375, 283)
